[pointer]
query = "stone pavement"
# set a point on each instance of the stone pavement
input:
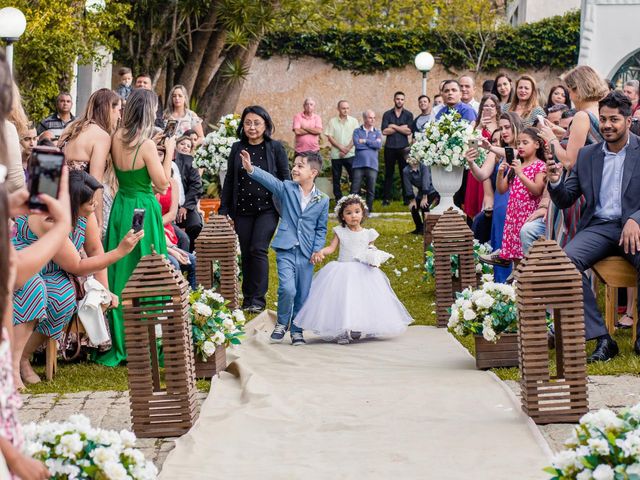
(605, 391)
(109, 410)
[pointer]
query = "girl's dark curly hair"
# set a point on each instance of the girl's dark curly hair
(352, 199)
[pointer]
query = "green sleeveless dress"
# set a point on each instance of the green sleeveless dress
(134, 191)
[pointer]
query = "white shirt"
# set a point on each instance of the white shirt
(305, 199)
(178, 178)
(474, 104)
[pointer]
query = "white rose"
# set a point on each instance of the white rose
(209, 348)
(228, 324)
(633, 469)
(218, 338)
(115, 471)
(584, 475)
(469, 315)
(128, 438)
(603, 472)
(599, 445)
(567, 460)
(239, 317)
(202, 309)
(103, 455)
(489, 334)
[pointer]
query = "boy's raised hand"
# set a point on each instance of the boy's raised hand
(246, 161)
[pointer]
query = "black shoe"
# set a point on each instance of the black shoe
(254, 308)
(416, 232)
(636, 347)
(606, 349)
(385, 203)
(551, 340)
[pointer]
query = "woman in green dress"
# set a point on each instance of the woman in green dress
(139, 171)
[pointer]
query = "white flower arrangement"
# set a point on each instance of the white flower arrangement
(488, 311)
(445, 143)
(478, 250)
(604, 446)
(75, 450)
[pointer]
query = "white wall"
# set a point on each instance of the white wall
(609, 33)
(528, 11)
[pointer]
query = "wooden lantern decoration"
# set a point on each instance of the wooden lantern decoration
(158, 295)
(546, 278)
(430, 220)
(218, 242)
(451, 236)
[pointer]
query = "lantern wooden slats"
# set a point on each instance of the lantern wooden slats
(546, 278)
(430, 220)
(218, 242)
(451, 236)
(158, 295)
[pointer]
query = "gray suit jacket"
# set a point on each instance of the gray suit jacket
(586, 178)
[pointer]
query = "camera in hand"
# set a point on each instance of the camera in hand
(138, 219)
(509, 155)
(43, 173)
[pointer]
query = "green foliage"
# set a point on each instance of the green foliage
(58, 32)
(552, 42)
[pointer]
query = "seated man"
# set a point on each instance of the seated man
(608, 175)
(418, 175)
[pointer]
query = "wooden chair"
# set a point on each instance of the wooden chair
(51, 363)
(615, 273)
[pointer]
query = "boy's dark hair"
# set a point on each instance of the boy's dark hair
(82, 187)
(123, 71)
(314, 159)
(424, 96)
(569, 113)
(190, 132)
(560, 107)
(617, 100)
(352, 199)
(398, 93)
(487, 86)
(436, 96)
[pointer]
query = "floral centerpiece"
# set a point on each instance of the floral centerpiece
(213, 323)
(442, 146)
(213, 153)
(604, 446)
(488, 311)
(478, 249)
(74, 449)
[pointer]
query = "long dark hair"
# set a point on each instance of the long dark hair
(494, 89)
(263, 114)
(82, 187)
(567, 100)
(533, 133)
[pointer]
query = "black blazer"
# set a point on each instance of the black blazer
(586, 178)
(191, 181)
(278, 165)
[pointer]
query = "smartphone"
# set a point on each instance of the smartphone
(170, 129)
(473, 143)
(553, 152)
(138, 219)
(509, 155)
(44, 172)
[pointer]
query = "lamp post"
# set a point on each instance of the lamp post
(12, 26)
(424, 62)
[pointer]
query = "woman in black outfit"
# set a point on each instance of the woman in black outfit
(250, 205)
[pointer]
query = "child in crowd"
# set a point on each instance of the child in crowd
(525, 183)
(362, 300)
(184, 145)
(125, 88)
(418, 175)
(304, 212)
(193, 135)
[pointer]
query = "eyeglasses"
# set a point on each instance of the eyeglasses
(257, 124)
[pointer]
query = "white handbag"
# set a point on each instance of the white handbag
(90, 311)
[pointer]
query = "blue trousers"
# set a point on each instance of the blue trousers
(530, 232)
(294, 281)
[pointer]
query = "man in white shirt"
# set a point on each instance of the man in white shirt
(468, 90)
(339, 132)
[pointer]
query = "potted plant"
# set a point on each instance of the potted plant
(481, 267)
(604, 445)
(74, 449)
(211, 158)
(214, 328)
(442, 146)
(489, 313)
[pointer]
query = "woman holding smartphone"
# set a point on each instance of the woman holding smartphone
(139, 171)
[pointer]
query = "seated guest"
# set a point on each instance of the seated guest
(417, 174)
(47, 301)
(610, 221)
(188, 217)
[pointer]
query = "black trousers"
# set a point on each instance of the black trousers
(183, 238)
(255, 233)
(336, 174)
(192, 225)
(418, 211)
(370, 175)
(393, 156)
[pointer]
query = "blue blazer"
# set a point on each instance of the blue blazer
(308, 229)
(586, 177)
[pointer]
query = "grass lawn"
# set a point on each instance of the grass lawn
(405, 272)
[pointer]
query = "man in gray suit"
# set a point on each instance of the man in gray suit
(608, 175)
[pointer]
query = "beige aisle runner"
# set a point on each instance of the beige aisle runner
(413, 407)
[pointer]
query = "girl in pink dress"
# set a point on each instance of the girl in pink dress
(525, 182)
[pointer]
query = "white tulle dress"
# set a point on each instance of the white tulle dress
(351, 296)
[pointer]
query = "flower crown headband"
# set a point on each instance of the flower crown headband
(352, 196)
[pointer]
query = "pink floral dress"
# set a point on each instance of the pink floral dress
(10, 400)
(521, 204)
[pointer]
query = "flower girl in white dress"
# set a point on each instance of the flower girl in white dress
(351, 297)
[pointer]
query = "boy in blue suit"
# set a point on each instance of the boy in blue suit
(304, 211)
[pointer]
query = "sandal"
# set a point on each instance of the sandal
(623, 326)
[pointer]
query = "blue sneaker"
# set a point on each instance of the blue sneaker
(278, 333)
(297, 339)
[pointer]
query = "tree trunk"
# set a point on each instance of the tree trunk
(210, 62)
(222, 94)
(200, 42)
